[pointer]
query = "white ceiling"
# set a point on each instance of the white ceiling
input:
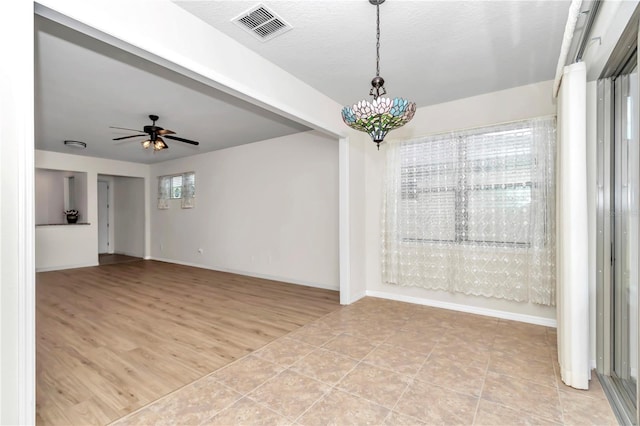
(431, 52)
(83, 86)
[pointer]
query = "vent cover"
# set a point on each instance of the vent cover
(262, 22)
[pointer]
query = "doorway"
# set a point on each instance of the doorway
(103, 217)
(121, 218)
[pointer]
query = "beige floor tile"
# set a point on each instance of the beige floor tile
(284, 351)
(352, 346)
(582, 410)
(289, 393)
(373, 334)
(247, 373)
(528, 369)
(491, 414)
(508, 327)
(517, 346)
(430, 327)
(325, 365)
(192, 404)
(477, 336)
(452, 375)
(316, 334)
(466, 340)
(339, 408)
(415, 341)
(382, 387)
(397, 419)
(522, 395)
(395, 358)
(436, 405)
(247, 412)
(469, 355)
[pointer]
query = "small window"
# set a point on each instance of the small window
(176, 186)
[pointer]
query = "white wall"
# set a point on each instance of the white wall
(128, 215)
(507, 105)
(49, 186)
(266, 209)
(80, 195)
(60, 247)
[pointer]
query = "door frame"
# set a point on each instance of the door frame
(622, 61)
(109, 216)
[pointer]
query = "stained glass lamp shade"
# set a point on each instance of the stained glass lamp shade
(379, 117)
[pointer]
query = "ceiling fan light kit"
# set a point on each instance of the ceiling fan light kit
(154, 132)
(381, 115)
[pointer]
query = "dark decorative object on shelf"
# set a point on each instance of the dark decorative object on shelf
(72, 216)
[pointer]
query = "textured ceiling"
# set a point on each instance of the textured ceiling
(431, 51)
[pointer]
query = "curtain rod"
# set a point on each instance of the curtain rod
(569, 29)
(584, 38)
(574, 14)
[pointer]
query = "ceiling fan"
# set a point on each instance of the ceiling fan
(154, 132)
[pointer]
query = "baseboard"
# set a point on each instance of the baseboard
(124, 253)
(547, 322)
(248, 274)
(60, 268)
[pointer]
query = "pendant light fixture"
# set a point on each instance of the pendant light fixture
(377, 118)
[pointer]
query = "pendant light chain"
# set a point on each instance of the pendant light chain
(378, 41)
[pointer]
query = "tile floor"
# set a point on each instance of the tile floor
(382, 362)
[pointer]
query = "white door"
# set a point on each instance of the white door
(103, 217)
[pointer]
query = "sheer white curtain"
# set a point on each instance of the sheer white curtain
(573, 257)
(473, 212)
(188, 190)
(164, 190)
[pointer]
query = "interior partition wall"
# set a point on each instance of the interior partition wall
(618, 227)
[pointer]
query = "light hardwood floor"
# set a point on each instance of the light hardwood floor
(113, 338)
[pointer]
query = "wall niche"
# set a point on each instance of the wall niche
(58, 191)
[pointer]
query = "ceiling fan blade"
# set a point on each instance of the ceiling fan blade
(166, 132)
(124, 128)
(182, 140)
(127, 137)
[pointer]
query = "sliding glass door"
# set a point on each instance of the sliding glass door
(624, 285)
(618, 225)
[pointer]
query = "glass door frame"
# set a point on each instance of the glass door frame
(609, 128)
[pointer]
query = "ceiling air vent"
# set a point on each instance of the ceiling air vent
(262, 22)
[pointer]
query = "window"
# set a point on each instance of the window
(182, 187)
(176, 186)
(469, 189)
(473, 212)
